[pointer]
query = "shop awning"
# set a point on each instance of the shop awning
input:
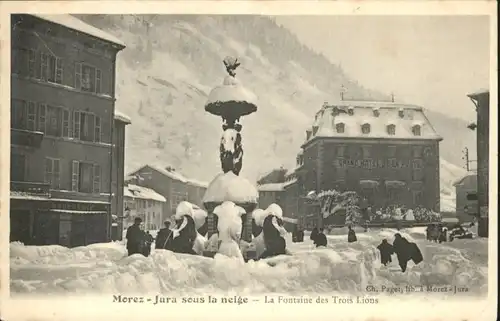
(367, 183)
(77, 212)
(395, 184)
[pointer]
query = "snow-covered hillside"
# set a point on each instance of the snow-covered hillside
(171, 63)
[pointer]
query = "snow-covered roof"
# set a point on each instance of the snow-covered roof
(289, 182)
(143, 193)
(197, 183)
(122, 117)
(461, 179)
(270, 187)
(76, 24)
(479, 92)
(171, 174)
(363, 114)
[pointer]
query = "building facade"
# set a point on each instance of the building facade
(171, 185)
(118, 170)
(481, 100)
(62, 120)
(386, 152)
(144, 203)
(466, 197)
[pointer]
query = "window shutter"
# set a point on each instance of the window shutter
(32, 63)
(59, 70)
(75, 175)
(76, 125)
(42, 110)
(97, 129)
(97, 179)
(31, 125)
(43, 66)
(48, 171)
(98, 81)
(78, 75)
(56, 171)
(65, 130)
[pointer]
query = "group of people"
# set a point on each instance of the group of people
(439, 233)
(405, 251)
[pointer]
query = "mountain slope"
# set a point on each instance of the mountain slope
(172, 62)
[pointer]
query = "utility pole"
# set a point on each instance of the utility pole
(466, 158)
(342, 88)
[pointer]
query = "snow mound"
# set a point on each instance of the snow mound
(340, 267)
(229, 187)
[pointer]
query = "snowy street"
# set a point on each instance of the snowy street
(343, 267)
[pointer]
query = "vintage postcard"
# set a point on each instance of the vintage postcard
(273, 160)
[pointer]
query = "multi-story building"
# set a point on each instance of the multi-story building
(171, 185)
(466, 197)
(118, 169)
(386, 152)
(481, 100)
(145, 203)
(271, 193)
(62, 120)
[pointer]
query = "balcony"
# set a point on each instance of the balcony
(30, 188)
(27, 138)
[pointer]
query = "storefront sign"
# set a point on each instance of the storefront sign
(372, 163)
(74, 206)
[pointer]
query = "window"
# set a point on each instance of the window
(18, 167)
(53, 172)
(340, 127)
(42, 113)
(341, 151)
(88, 78)
(51, 68)
(416, 130)
(85, 177)
(376, 112)
(54, 121)
(471, 196)
(418, 164)
(365, 128)
(417, 175)
(32, 63)
(23, 115)
(417, 198)
(350, 111)
(417, 151)
(391, 151)
(367, 151)
(86, 126)
(391, 129)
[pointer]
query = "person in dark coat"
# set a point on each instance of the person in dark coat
(321, 239)
(314, 234)
(148, 241)
(185, 241)
(164, 237)
(301, 235)
(442, 235)
(351, 235)
(275, 243)
(386, 250)
(406, 251)
(134, 237)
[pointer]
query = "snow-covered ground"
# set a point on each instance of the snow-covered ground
(342, 267)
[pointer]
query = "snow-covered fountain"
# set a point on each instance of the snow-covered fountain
(231, 101)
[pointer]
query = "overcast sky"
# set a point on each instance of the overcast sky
(432, 61)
